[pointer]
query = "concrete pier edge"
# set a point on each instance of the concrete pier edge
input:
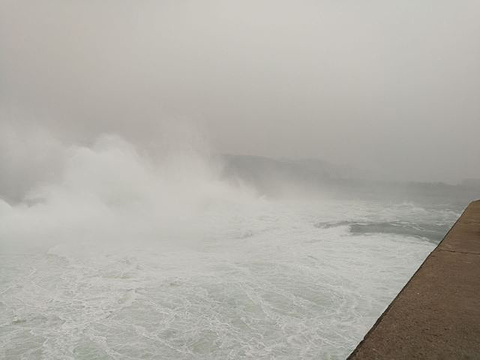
(436, 315)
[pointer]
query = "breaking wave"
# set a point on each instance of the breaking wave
(125, 254)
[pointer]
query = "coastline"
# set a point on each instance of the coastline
(437, 314)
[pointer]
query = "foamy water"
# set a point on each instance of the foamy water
(125, 259)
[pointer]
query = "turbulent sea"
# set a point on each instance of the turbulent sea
(121, 260)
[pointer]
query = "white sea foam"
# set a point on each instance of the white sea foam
(127, 256)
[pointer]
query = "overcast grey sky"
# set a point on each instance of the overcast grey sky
(391, 86)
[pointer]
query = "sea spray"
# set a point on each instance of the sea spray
(110, 192)
(125, 253)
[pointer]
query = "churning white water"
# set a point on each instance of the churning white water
(125, 257)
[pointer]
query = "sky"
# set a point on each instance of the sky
(392, 87)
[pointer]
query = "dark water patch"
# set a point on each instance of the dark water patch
(329, 225)
(431, 232)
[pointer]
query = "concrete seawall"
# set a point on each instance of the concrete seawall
(437, 314)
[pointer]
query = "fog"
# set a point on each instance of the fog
(221, 180)
(388, 87)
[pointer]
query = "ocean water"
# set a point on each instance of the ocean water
(124, 260)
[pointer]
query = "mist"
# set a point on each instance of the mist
(390, 88)
(225, 180)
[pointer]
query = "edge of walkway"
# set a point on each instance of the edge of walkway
(437, 313)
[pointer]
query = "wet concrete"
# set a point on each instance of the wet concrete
(437, 314)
